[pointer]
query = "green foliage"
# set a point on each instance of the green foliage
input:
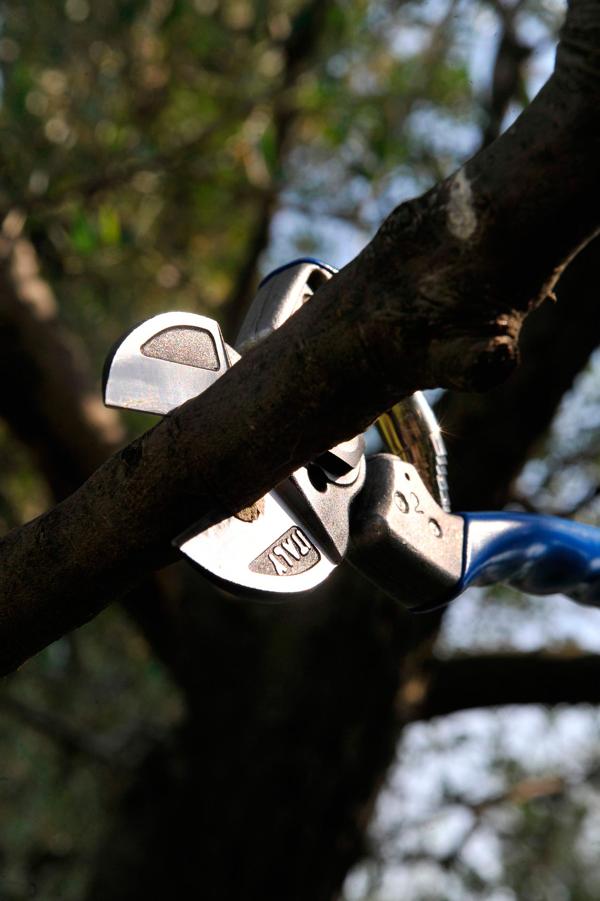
(138, 136)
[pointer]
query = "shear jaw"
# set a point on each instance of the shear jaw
(163, 362)
(303, 531)
(403, 540)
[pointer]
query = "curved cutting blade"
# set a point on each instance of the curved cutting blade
(163, 362)
(302, 532)
(273, 555)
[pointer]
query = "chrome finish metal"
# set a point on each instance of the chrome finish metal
(411, 432)
(324, 504)
(402, 539)
(316, 499)
(164, 362)
(279, 296)
(275, 555)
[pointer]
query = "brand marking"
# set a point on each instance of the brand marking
(290, 555)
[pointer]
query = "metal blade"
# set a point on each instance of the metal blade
(302, 532)
(339, 473)
(280, 295)
(273, 555)
(324, 504)
(342, 460)
(297, 540)
(165, 361)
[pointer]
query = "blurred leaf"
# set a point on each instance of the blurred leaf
(83, 234)
(109, 225)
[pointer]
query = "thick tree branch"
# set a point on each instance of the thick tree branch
(437, 298)
(495, 680)
(494, 432)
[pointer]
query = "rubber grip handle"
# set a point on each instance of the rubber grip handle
(536, 554)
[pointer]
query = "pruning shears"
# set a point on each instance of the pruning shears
(387, 513)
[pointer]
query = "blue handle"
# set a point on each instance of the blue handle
(536, 554)
(297, 262)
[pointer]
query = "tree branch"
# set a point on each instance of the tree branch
(437, 298)
(496, 431)
(495, 680)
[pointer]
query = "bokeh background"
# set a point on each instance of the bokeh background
(163, 154)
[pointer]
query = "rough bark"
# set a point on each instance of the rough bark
(492, 433)
(437, 298)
